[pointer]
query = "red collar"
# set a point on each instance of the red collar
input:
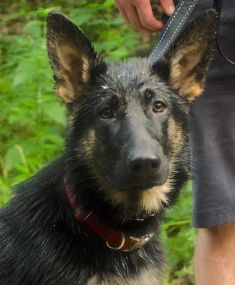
(113, 238)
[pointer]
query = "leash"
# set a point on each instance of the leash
(172, 29)
(176, 24)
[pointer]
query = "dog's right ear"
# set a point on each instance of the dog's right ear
(71, 55)
(186, 63)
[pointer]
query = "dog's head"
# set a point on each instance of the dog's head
(129, 119)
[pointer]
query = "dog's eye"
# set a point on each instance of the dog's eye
(159, 106)
(106, 113)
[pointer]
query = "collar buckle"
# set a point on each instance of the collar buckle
(130, 244)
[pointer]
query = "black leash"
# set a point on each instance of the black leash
(175, 25)
(172, 28)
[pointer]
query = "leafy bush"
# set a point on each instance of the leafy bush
(33, 121)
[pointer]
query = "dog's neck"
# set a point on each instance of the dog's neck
(113, 238)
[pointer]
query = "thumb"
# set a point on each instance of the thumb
(168, 6)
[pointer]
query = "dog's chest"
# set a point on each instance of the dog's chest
(145, 277)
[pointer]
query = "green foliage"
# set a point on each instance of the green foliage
(178, 238)
(33, 120)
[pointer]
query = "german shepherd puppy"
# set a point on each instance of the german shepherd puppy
(92, 217)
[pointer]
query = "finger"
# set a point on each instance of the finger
(123, 13)
(130, 16)
(168, 6)
(134, 19)
(147, 19)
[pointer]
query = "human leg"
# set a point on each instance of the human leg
(214, 256)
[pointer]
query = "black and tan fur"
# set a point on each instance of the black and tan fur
(126, 156)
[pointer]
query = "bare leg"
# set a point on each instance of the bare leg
(215, 256)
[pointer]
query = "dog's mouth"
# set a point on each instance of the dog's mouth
(138, 185)
(144, 186)
(136, 199)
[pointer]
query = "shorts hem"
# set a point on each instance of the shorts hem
(213, 218)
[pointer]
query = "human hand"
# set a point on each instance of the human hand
(139, 14)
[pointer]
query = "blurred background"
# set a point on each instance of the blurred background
(32, 118)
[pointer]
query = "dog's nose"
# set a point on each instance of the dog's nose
(144, 165)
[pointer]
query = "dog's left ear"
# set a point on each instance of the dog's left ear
(71, 55)
(186, 64)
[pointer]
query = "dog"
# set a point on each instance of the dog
(93, 216)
